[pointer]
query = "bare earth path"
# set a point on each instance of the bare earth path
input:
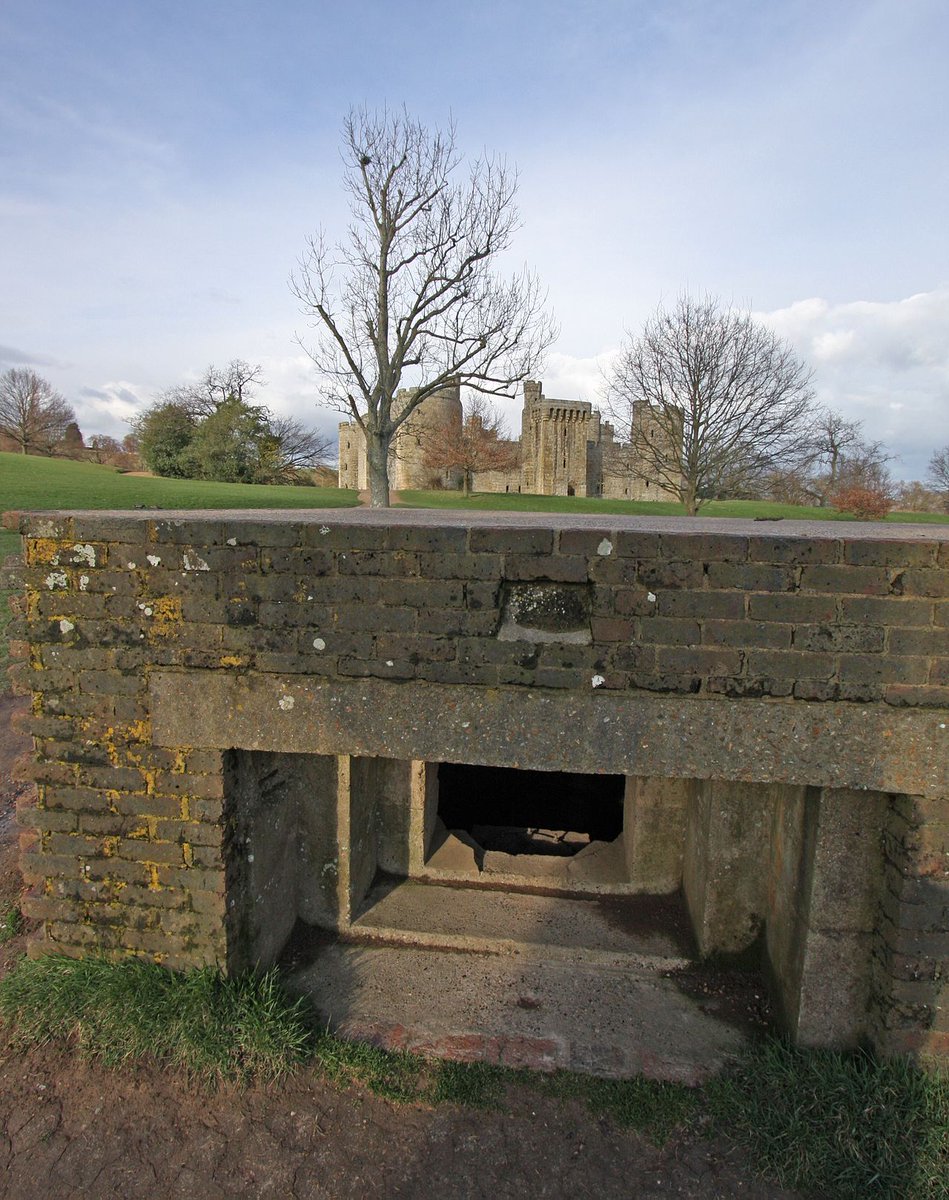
(77, 1131)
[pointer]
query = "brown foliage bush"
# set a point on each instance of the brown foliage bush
(866, 503)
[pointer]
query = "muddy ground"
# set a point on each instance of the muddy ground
(71, 1129)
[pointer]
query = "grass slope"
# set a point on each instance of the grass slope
(28, 482)
(593, 506)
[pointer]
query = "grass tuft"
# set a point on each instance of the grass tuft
(213, 1028)
(11, 921)
(391, 1074)
(843, 1125)
(475, 1085)
(650, 1107)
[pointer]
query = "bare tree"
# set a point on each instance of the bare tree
(836, 456)
(475, 443)
(239, 379)
(411, 288)
(938, 478)
(843, 457)
(299, 446)
(725, 400)
(32, 413)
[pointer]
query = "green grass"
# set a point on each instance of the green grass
(592, 506)
(29, 482)
(11, 922)
(212, 1028)
(653, 1108)
(842, 1125)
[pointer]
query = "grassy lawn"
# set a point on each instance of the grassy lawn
(516, 502)
(28, 482)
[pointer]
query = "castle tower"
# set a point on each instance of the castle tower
(554, 442)
(408, 466)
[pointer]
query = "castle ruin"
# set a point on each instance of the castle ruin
(565, 449)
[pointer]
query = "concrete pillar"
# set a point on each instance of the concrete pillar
(725, 868)
(822, 912)
(281, 851)
(654, 820)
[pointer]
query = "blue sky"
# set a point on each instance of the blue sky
(162, 163)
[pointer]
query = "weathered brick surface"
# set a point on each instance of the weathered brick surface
(910, 1003)
(124, 841)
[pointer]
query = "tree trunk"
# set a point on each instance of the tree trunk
(377, 459)
(466, 475)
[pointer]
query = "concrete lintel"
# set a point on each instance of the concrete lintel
(827, 745)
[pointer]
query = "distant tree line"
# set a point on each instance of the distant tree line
(212, 430)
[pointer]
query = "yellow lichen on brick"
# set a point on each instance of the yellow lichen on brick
(154, 883)
(233, 660)
(110, 846)
(185, 808)
(166, 614)
(45, 551)
(188, 854)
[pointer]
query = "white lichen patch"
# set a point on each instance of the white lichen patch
(324, 530)
(66, 626)
(153, 560)
(84, 583)
(605, 547)
(651, 597)
(232, 541)
(193, 562)
(146, 609)
(82, 552)
(389, 662)
(319, 644)
(56, 579)
(286, 703)
(598, 681)
(130, 566)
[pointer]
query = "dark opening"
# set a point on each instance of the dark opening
(530, 812)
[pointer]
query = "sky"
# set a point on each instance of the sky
(162, 165)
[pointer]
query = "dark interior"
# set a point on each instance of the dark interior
(530, 812)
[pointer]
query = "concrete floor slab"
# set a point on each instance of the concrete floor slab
(519, 1011)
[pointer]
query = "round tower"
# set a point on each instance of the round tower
(410, 469)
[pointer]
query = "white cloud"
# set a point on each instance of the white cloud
(885, 363)
(109, 407)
